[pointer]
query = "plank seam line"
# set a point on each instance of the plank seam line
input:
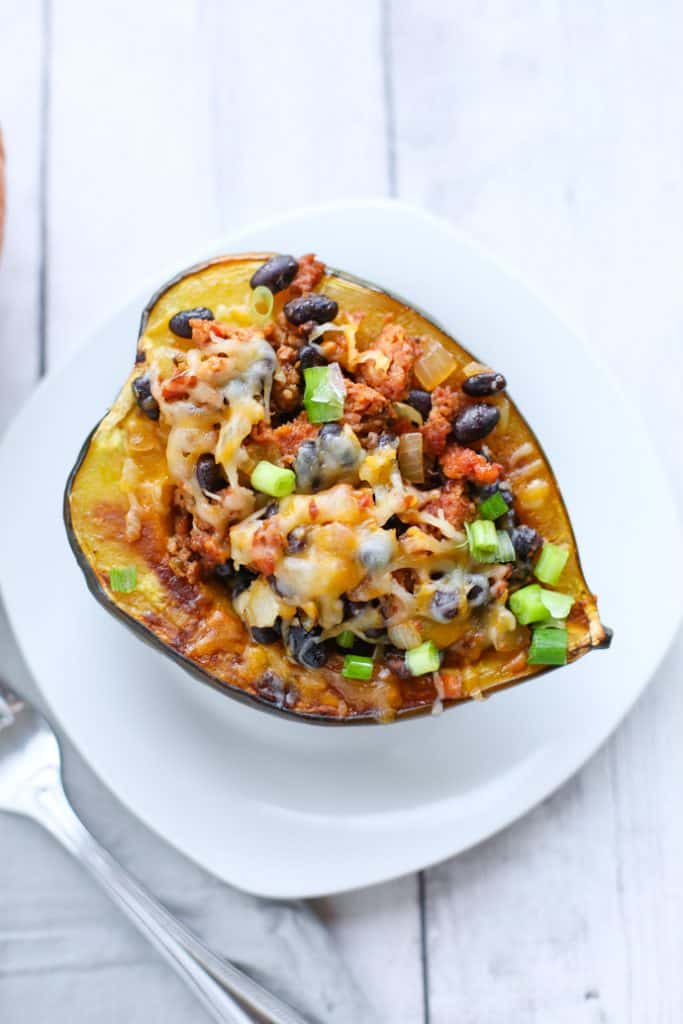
(424, 952)
(389, 101)
(43, 185)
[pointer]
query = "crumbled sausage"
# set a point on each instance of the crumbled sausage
(465, 464)
(267, 545)
(445, 405)
(310, 273)
(287, 438)
(402, 351)
(452, 501)
(365, 409)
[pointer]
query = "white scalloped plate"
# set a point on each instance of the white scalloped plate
(287, 809)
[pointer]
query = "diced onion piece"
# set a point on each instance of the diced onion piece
(123, 579)
(548, 646)
(357, 667)
(434, 365)
(405, 635)
(410, 458)
(274, 480)
(261, 303)
(550, 564)
(423, 659)
(409, 413)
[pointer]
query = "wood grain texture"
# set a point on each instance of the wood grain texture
(549, 132)
(21, 79)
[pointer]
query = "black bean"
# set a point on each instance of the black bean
(226, 570)
(330, 430)
(180, 323)
(311, 355)
(306, 646)
(488, 383)
(140, 356)
(445, 604)
(394, 523)
(276, 273)
(420, 400)
(271, 509)
(475, 422)
(265, 634)
(142, 390)
(526, 541)
(243, 580)
(296, 540)
(210, 474)
(477, 590)
(314, 306)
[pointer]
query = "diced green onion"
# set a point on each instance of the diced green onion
(534, 604)
(273, 480)
(558, 605)
(423, 659)
(527, 605)
(550, 564)
(324, 393)
(346, 638)
(548, 646)
(261, 303)
(124, 579)
(494, 507)
(357, 667)
(488, 544)
(482, 538)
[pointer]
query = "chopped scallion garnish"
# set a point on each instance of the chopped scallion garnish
(324, 393)
(482, 538)
(346, 638)
(357, 667)
(488, 544)
(527, 605)
(423, 659)
(550, 564)
(273, 480)
(558, 605)
(534, 604)
(124, 579)
(548, 646)
(494, 506)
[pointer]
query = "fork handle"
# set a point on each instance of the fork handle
(213, 980)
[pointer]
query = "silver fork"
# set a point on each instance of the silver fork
(31, 784)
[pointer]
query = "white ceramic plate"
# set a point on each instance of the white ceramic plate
(282, 808)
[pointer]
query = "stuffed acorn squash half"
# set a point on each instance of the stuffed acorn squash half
(314, 499)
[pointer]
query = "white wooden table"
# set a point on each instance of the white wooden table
(552, 134)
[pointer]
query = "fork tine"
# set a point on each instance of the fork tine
(12, 699)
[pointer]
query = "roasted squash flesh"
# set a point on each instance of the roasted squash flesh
(351, 579)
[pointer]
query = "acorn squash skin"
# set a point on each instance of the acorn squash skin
(168, 615)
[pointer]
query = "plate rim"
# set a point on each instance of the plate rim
(567, 764)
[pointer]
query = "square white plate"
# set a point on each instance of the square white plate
(287, 809)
